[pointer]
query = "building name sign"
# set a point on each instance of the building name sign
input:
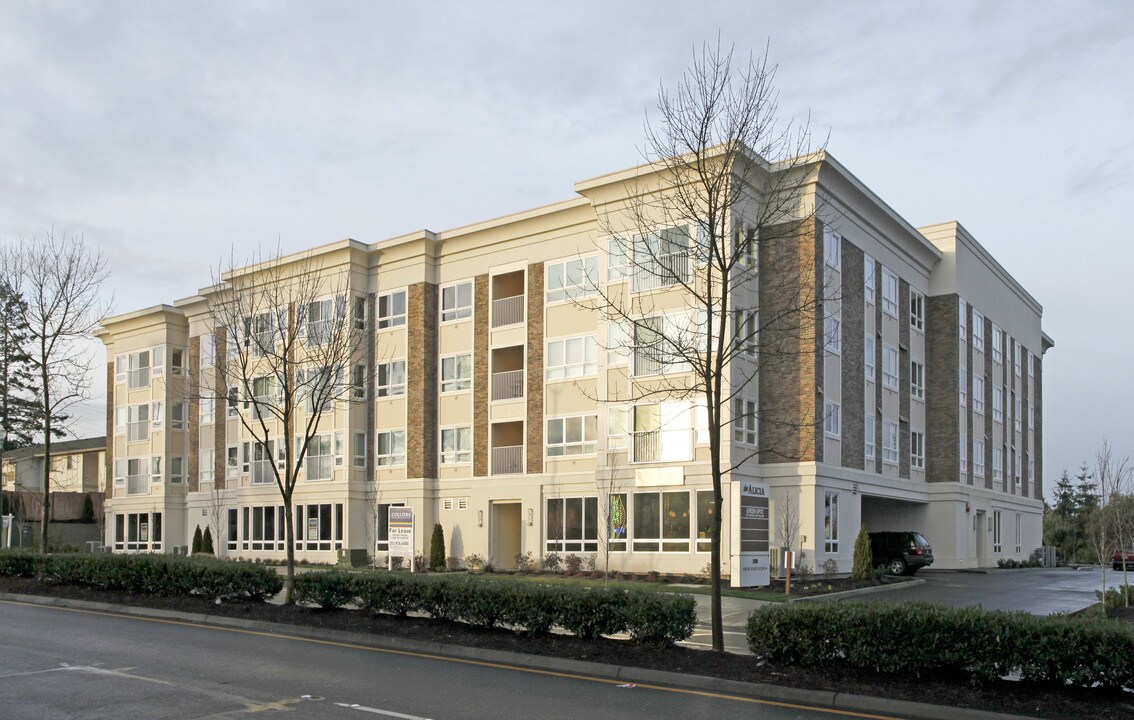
(751, 557)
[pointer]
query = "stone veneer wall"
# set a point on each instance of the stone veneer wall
(194, 380)
(904, 359)
(942, 399)
(853, 358)
(220, 347)
(791, 365)
(877, 367)
(534, 371)
(482, 375)
(421, 371)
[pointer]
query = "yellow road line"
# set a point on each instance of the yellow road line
(464, 661)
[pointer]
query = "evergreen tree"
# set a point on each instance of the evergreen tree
(196, 546)
(1086, 492)
(1066, 499)
(437, 549)
(207, 542)
(863, 560)
(19, 413)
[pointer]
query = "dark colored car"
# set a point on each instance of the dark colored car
(1123, 557)
(901, 553)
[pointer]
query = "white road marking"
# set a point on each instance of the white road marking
(376, 711)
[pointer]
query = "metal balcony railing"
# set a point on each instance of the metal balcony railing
(508, 460)
(508, 311)
(661, 446)
(508, 385)
(659, 272)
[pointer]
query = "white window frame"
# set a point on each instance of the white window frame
(831, 419)
(978, 330)
(138, 422)
(390, 448)
(746, 330)
(831, 248)
(358, 450)
(358, 382)
(618, 344)
(869, 364)
(831, 522)
(997, 344)
(578, 435)
(744, 422)
(456, 373)
(557, 352)
(617, 430)
(391, 310)
(869, 274)
(978, 394)
(832, 333)
(917, 310)
(997, 532)
(318, 469)
(869, 441)
(179, 415)
(617, 259)
(206, 462)
(889, 442)
(1017, 416)
(387, 376)
(998, 463)
(917, 380)
(585, 285)
(1016, 357)
(208, 410)
(998, 404)
(964, 453)
(917, 450)
(963, 385)
(962, 320)
(890, 370)
(889, 293)
(454, 303)
(978, 458)
(460, 439)
(178, 469)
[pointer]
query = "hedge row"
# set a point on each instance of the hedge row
(167, 575)
(657, 618)
(922, 639)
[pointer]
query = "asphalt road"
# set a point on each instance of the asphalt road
(79, 665)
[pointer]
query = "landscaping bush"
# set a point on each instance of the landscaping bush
(385, 593)
(861, 564)
(207, 542)
(660, 618)
(437, 549)
(330, 590)
(593, 612)
(532, 609)
(196, 546)
(87, 515)
(929, 640)
(16, 563)
(1013, 564)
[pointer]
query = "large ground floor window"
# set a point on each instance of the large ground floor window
(319, 526)
(137, 531)
(383, 526)
(572, 524)
(264, 528)
(642, 522)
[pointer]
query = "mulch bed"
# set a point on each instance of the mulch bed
(1005, 697)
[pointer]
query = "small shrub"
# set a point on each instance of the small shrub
(572, 563)
(552, 562)
(488, 566)
(396, 562)
(474, 563)
(420, 563)
(594, 612)
(88, 510)
(532, 609)
(437, 549)
(861, 565)
(18, 563)
(652, 576)
(804, 573)
(1116, 597)
(660, 618)
(207, 542)
(830, 569)
(453, 563)
(591, 562)
(196, 546)
(330, 590)
(385, 593)
(524, 562)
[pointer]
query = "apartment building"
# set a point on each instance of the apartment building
(493, 396)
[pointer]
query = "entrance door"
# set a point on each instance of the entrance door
(978, 543)
(506, 529)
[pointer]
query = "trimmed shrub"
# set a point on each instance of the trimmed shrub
(384, 593)
(17, 563)
(87, 515)
(197, 540)
(861, 565)
(660, 618)
(437, 549)
(330, 590)
(207, 542)
(532, 609)
(594, 612)
(920, 639)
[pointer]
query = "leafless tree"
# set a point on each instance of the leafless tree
(287, 356)
(60, 280)
(612, 515)
(1103, 526)
(717, 217)
(787, 522)
(217, 504)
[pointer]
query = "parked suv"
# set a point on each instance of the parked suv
(1122, 557)
(901, 553)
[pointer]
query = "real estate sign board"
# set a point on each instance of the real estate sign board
(750, 535)
(400, 521)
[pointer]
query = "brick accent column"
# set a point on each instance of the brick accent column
(1037, 490)
(969, 408)
(220, 437)
(878, 364)
(989, 365)
(421, 378)
(942, 394)
(371, 383)
(854, 361)
(534, 372)
(109, 456)
(482, 375)
(904, 359)
(791, 366)
(194, 380)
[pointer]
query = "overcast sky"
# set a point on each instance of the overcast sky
(171, 134)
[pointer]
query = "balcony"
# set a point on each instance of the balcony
(508, 311)
(646, 361)
(651, 446)
(662, 271)
(508, 385)
(137, 484)
(508, 460)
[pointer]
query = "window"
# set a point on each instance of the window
(383, 539)
(964, 453)
(207, 460)
(456, 302)
(889, 442)
(889, 293)
(917, 450)
(177, 469)
(661, 259)
(617, 259)
(572, 435)
(317, 321)
(997, 345)
(390, 448)
(179, 361)
(120, 420)
(178, 416)
(572, 524)
(831, 522)
(889, 367)
(208, 410)
(138, 427)
(917, 380)
(978, 395)
(456, 445)
(233, 401)
(572, 357)
(617, 343)
(456, 373)
(831, 419)
(1031, 365)
(137, 531)
(1019, 542)
(831, 241)
(391, 379)
(232, 462)
(261, 460)
(1016, 357)
(358, 382)
(358, 450)
(978, 458)
(997, 463)
(747, 332)
(868, 279)
(1016, 416)
(323, 529)
(1017, 468)
(320, 459)
(156, 474)
(572, 279)
(392, 310)
(358, 312)
(617, 434)
(1031, 416)
(319, 388)
(998, 404)
(962, 320)
(978, 331)
(157, 414)
(963, 382)
(744, 421)
(996, 540)
(917, 310)
(208, 350)
(661, 522)
(868, 434)
(747, 239)
(264, 528)
(233, 528)
(832, 334)
(1031, 468)
(868, 361)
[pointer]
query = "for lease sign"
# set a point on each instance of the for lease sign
(401, 531)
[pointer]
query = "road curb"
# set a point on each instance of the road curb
(820, 699)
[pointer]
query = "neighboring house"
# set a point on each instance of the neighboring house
(917, 407)
(76, 466)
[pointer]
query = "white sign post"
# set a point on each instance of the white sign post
(6, 531)
(751, 560)
(400, 525)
